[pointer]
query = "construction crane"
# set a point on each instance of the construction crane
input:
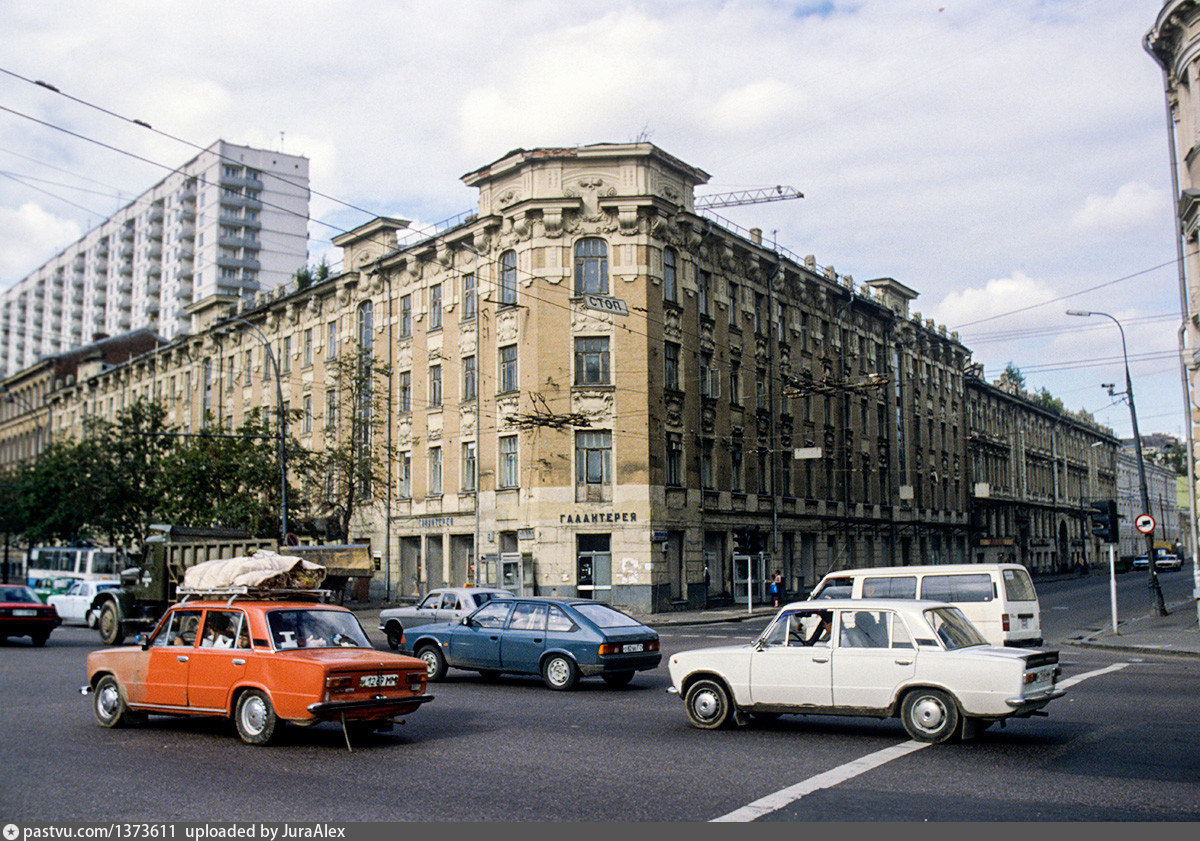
(759, 196)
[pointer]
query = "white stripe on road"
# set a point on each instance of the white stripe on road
(783, 797)
(829, 779)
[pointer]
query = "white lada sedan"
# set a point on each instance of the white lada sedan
(920, 660)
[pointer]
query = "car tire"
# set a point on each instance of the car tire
(108, 704)
(435, 662)
(255, 718)
(395, 635)
(618, 679)
(560, 672)
(929, 715)
(109, 624)
(708, 704)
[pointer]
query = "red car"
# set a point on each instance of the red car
(22, 614)
(261, 662)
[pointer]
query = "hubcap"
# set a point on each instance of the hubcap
(706, 704)
(108, 701)
(254, 715)
(431, 662)
(929, 714)
(558, 672)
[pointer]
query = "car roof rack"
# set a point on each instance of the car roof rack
(231, 594)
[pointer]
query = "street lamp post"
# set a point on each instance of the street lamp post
(283, 485)
(1155, 588)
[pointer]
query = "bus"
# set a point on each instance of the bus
(53, 568)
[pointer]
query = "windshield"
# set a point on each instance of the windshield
(952, 628)
(603, 616)
(315, 628)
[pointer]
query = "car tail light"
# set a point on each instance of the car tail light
(609, 648)
(652, 645)
(1030, 677)
(416, 679)
(1004, 621)
(339, 683)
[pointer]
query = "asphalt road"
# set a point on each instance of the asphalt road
(1120, 746)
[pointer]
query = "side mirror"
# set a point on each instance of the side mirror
(467, 620)
(143, 640)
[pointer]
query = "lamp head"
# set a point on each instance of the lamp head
(1078, 312)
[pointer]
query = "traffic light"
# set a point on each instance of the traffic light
(741, 541)
(1104, 520)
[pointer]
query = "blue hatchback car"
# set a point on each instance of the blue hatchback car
(560, 639)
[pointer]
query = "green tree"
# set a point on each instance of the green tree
(1048, 401)
(1011, 377)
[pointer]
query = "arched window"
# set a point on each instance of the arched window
(508, 278)
(591, 266)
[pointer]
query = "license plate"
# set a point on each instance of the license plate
(24, 612)
(631, 647)
(378, 681)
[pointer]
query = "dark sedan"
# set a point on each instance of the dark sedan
(560, 639)
(22, 614)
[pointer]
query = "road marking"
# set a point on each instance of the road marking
(782, 798)
(836, 776)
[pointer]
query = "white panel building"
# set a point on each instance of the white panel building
(231, 221)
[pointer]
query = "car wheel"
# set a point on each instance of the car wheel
(395, 634)
(435, 663)
(560, 673)
(255, 718)
(708, 706)
(617, 679)
(109, 624)
(90, 619)
(109, 705)
(930, 715)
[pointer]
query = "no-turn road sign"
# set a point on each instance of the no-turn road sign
(1144, 523)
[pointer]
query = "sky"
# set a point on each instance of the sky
(1007, 160)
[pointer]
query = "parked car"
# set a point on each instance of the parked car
(51, 585)
(560, 639)
(22, 614)
(260, 662)
(447, 604)
(1140, 562)
(998, 599)
(920, 660)
(1167, 562)
(76, 604)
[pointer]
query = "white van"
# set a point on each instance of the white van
(999, 599)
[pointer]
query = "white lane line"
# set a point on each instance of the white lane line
(1071, 681)
(782, 798)
(828, 779)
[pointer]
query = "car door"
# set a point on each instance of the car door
(219, 659)
(71, 604)
(170, 655)
(524, 638)
(789, 668)
(427, 612)
(477, 645)
(874, 655)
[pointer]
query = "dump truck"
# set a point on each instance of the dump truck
(148, 585)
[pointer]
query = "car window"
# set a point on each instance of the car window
(900, 636)
(797, 628)
(1018, 587)
(224, 629)
(179, 629)
(315, 628)
(449, 601)
(957, 588)
(430, 602)
(559, 621)
(863, 629)
(491, 615)
(603, 616)
(952, 628)
(890, 587)
(841, 587)
(18, 594)
(527, 616)
(76, 589)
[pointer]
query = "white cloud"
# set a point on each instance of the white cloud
(31, 236)
(1000, 295)
(1134, 205)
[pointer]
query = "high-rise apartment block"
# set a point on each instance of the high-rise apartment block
(231, 221)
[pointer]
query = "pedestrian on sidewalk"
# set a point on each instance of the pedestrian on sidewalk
(775, 586)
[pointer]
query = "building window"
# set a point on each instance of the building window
(593, 463)
(285, 356)
(331, 340)
(435, 471)
(468, 372)
(366, 328)
(468, 297)
(670, 276)
(508, 369)
(331, 406)
(671, 366)
(508, 278)
(468, 466)
(435, 307)
(508, 461)
(591, 266)
(306, 419)
(706, 465)
(735, 383)
(406, 391)
(735, 470)
(674, 460)
(709, 386)
(405, 475)
(248, 374)
(591, 361)
(733, 304)
(764, 477)
(703, 291)
(760, 316)
(405, 316)
(435, 386)
(308, 348)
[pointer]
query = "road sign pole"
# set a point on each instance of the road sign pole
(1112, 582)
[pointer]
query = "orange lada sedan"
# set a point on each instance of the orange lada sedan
(260, 662)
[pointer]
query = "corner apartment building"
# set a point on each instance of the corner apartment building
(593, 386)
(231, 221)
